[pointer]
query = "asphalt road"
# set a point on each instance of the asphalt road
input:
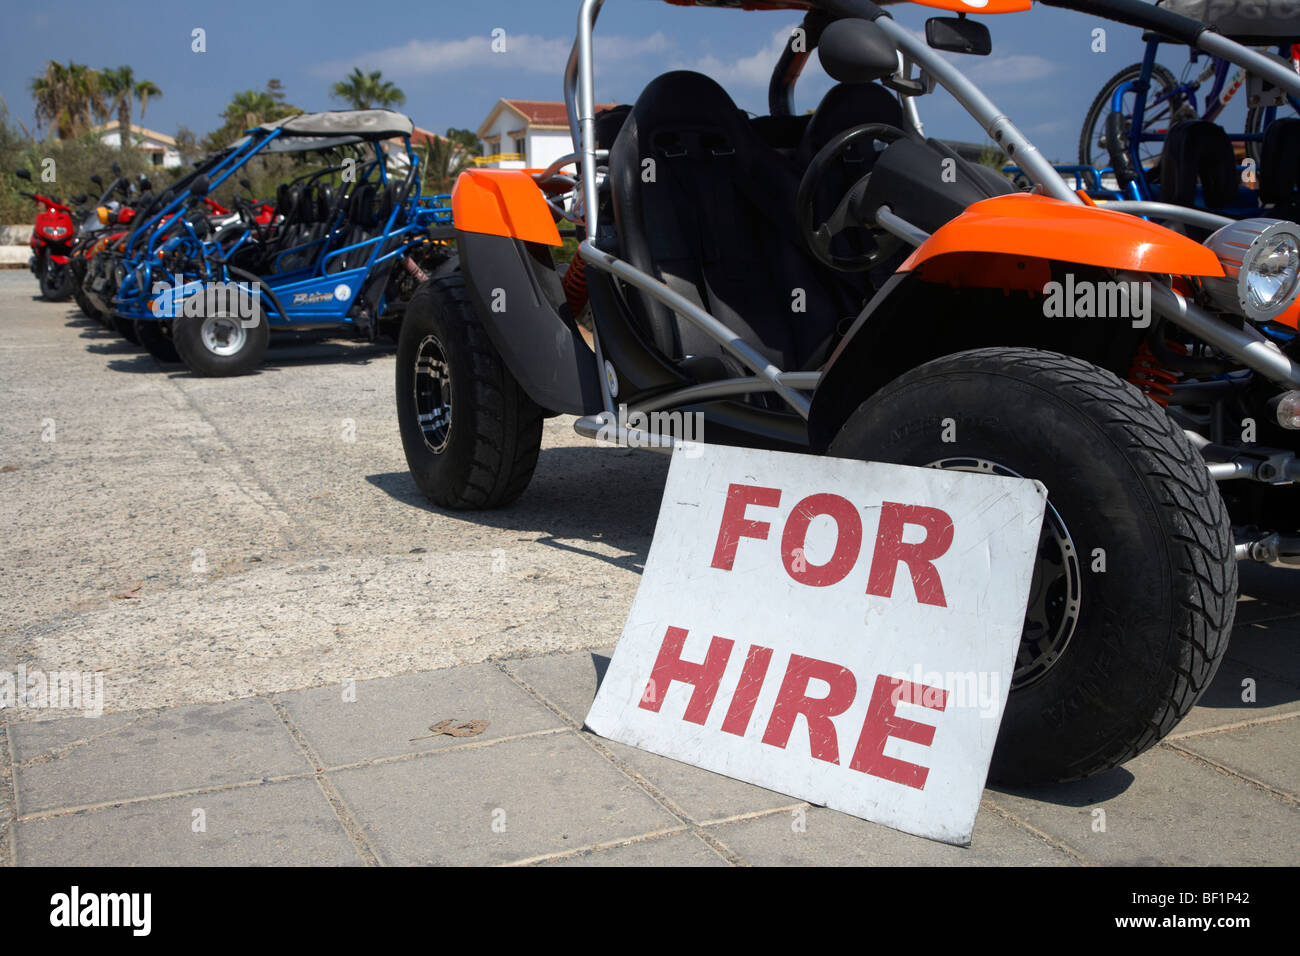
(204, 539)
(228, 552)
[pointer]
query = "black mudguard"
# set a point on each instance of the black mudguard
(545, 353)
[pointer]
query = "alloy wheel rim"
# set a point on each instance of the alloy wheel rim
(1054, 593)
(223, 335)
(432, 388)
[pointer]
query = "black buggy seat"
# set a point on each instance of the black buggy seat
(701, 202)
(845, 106)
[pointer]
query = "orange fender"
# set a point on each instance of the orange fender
(1032, 227)
(503, 202)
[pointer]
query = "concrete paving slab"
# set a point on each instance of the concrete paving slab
(1222, 705)
(820, 837)
(288, 823)
(678, 849)
(1163, 809)
(1263, 752)
(499, 803)
(392, 716)
(1270, 646)
(702, 795)
(186, 748)
(567, 681)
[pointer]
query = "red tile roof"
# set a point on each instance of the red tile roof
(546, 114)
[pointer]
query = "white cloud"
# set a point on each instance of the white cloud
(533, 54)
(754, 70)
(1014, 68)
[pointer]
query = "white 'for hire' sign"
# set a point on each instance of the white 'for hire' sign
(840, 631)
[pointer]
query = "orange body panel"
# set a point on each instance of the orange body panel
(990, 6)
(1033, 226)
(503, 202)
(1291, 316)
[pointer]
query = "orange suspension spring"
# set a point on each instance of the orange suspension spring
(575, 286)
(1152, 379)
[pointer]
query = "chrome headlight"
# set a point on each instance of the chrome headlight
(1261, 266)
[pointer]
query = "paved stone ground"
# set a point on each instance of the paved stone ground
(280, 618)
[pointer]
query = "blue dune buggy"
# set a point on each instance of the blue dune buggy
(347, 246)
(1149, 136)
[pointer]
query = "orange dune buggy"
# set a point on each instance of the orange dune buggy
(837, 283)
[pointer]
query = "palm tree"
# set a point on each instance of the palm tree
(364, 90)
(66, 97)
(247, 109)
(447, 157)
(123, 89)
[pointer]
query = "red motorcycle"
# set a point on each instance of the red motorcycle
(51, 244)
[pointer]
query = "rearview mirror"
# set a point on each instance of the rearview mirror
(246, 184)
(97, 180)
(853, 50)
(23, 174)
(117, 170)
(78, 199)
(958, 35)
(199, 187)
(144, 184)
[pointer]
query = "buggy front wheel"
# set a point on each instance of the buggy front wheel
(1135, 581)
(470, 434)
(219, 344)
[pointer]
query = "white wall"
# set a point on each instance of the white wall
(546, 146)
(540, 149)
(170, 156)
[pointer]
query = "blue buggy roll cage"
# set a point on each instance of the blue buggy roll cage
(1140, 188)
(321, 293)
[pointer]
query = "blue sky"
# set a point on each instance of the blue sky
(1043, 72)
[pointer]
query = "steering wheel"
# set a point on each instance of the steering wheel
(847, 214)
(248, 215)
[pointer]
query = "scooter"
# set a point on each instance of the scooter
(51, 243)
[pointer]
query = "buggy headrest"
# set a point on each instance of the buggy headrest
(683, 110)
(847, 105)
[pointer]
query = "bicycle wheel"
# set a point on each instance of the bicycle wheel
(1163, 106)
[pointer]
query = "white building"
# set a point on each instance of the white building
(160, 147)
(530, 134)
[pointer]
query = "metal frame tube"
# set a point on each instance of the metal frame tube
(684, 307)
(1247, 346)
(1164, 210)
(998, 125)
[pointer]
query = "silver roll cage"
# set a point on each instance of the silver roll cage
(1247, 347)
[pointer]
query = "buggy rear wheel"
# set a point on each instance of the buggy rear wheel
(1135, 584)
(470, 434)
(78, 269)
(125, 327)
(156, 336)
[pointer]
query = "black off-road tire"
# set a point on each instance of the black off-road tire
(125, 327)
(78, 267)
(1153, 625)
(485, 456)
(187, 336)
(156, 337)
